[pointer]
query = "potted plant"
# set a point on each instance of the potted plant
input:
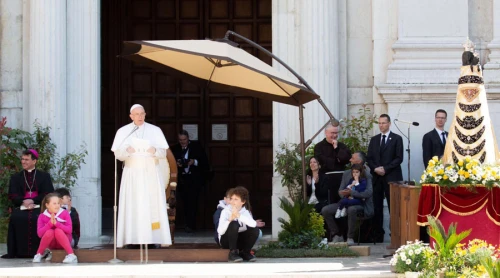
(412, 258)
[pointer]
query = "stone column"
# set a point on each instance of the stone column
(83, 103)
(310, 38)
(44, 68)
(11, 62)
(492, 68)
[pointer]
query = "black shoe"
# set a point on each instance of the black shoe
(248, 257)
(188, 230)
(234, 257)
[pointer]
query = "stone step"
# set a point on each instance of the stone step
(362, 250)
(175, 253)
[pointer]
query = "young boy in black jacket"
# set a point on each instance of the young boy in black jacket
(222, 204)
(75, 218)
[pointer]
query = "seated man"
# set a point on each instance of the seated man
(75, 218)
(329, 211)
(26, 190)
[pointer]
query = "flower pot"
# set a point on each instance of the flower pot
(409, 274)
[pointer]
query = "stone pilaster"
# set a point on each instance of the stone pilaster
(492, 68)
(310, 38)
(44, 68)
(11, 62)
(83, 108)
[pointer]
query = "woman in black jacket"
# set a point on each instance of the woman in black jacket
(317, 185)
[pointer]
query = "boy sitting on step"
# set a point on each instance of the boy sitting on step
(75, 218)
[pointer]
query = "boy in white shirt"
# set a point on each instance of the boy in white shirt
(237, 229)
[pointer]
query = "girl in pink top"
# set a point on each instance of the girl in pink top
(54, 228)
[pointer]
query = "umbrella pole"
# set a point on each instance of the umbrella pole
(303, 152)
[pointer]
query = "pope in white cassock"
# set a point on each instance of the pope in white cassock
(142, 213)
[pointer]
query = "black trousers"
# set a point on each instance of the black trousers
(243, 241)
(189, 189)
(22, 237)
(380, 190)
(334, 181)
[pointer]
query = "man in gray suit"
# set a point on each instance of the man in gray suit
(329, 211)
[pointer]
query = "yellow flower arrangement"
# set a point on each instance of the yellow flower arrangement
(466, 171)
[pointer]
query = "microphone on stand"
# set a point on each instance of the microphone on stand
(408, 182)
(407, 122)
(133, 130)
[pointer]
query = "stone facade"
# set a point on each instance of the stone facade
(399, 57)
(50, 72)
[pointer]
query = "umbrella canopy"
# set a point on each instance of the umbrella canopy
(219, 65)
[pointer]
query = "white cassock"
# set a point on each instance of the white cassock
(142, 212)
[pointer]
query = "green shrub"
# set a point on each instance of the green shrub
(304, 239)
(303, 229)
(13, 142)
(289, 165)
(356, 131)
(316, 224)
(273, 252)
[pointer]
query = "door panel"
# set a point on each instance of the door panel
(245, 158)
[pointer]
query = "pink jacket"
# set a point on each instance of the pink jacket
(63, 222)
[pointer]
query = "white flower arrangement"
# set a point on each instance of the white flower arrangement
(412, 257)
(466, 171)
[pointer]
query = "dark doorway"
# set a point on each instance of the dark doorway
(245, 158)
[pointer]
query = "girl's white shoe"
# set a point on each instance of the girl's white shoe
(343, 213)
(70, 259)
(37, 258)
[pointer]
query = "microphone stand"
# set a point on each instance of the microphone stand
(115, 260)
(408, 150)
(408, 182)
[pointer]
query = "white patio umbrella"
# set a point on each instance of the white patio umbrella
(220, 66)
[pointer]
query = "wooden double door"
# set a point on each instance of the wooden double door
(235, 131)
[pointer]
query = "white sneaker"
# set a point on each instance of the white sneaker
(350, 241)
(47, 254)
(70, 259)
(337, 214)
(37, 258)
(343, 213)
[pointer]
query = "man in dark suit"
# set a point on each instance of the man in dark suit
(26, 192)
(333, 157)
(434, 141)
(193, 164)
(385, 154)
